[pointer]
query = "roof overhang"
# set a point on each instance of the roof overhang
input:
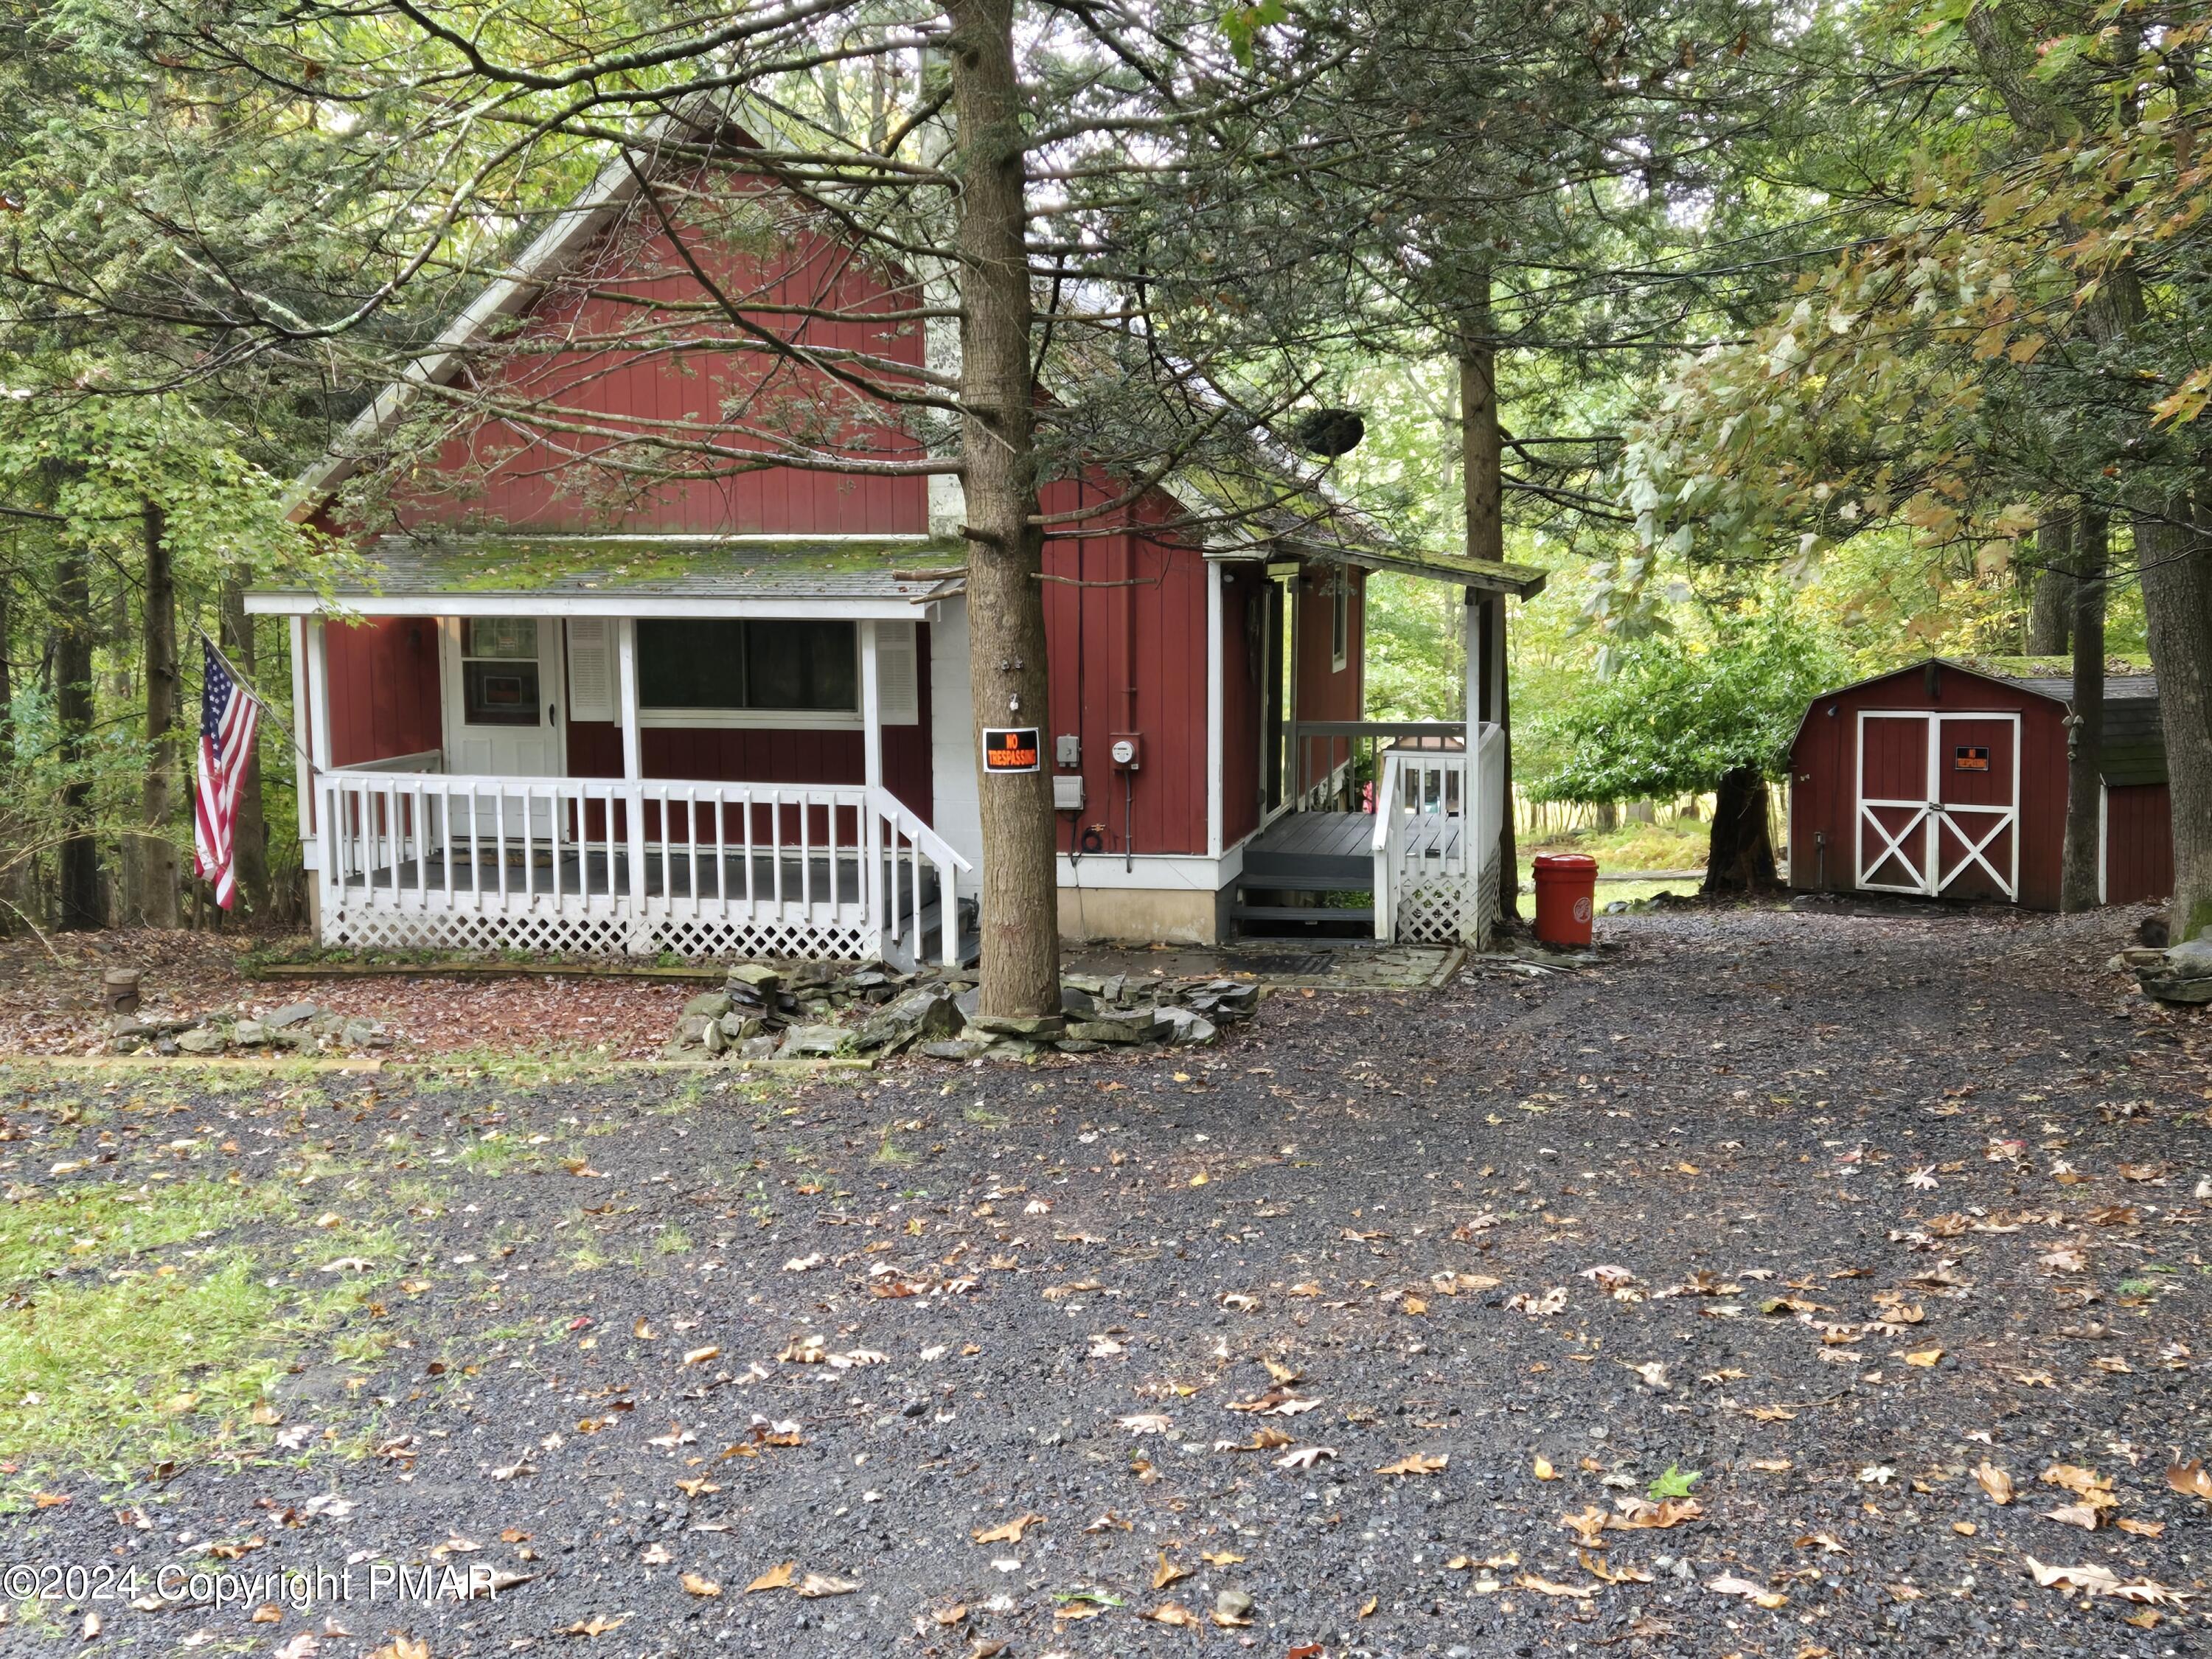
(1522, 581)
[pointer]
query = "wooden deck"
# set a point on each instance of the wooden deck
(1336, 849)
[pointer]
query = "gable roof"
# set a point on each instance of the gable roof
(1308, 519)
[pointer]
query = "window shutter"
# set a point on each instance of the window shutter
(591, 669)
(898, 683)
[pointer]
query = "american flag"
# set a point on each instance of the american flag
(229, 715)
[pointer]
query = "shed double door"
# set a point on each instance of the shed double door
(1939, 804)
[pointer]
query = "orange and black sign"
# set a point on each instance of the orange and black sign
(1009, 749)
(1973, 759)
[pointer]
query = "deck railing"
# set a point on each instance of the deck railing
(639, 866)
(1433, 836)
(1333, 762)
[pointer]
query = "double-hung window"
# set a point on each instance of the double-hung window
(802, 672)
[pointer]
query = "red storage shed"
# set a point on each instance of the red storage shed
(1949, 780)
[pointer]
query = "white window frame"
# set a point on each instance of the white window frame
(761, 719)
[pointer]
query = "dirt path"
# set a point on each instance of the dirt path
(1373, 1316)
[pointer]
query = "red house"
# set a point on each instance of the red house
(732, 714)
(1949, 780)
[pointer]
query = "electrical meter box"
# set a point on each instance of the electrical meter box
(1128, 751)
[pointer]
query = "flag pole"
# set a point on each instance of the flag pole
(251, 691)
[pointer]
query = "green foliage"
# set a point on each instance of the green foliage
(1677, 714)
(1674, 1483)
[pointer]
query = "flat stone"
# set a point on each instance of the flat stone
(803, 1041)
(712, 1004)
(356, 1033)
(1232, 1604)
(925, 1014)
(1076, 1003)
(821, 974)
(249, 1034)
(738, 1027)
(714, 1038)
(1016, 1050)
(289, 1015)
(955, 1048)
(130, 1025)
(1107, 1031)
(1183, 1028)
(2182, 974)
(691, 1029)
(204, 1041)
(758, 1047)
(1078, 1046)
(1019, 1025)
(760, 980)
(1090, 982)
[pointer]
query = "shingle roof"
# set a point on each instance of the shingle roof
(911, 568)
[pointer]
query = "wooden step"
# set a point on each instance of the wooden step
(1262, 869)
(1365, 916)
(1364, 882)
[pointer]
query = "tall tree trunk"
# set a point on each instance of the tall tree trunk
(155, 863)
(2175, 557)
(1005, 548)
(74, 631)
(250, 835)
(2084, 736)
(1482, 469)
(1740, 852)
(2051, 599)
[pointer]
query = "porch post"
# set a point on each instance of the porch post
(633, 771)
(327, 875)
(1478, 663)
(1213, 711)
(872, 774)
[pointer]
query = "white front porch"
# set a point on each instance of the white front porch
(631, 866)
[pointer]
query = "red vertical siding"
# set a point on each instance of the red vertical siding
(1824, 784)
(504, 476)
(1323, 691)
(384, 688)
(1125, 629)
(1243, 597)
(2138, 843)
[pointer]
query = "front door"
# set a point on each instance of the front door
(503, 710)
(1277, 690)
(1939, 804)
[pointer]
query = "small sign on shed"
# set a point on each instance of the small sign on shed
(1970, 758)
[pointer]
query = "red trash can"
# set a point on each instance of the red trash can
(1566, 895)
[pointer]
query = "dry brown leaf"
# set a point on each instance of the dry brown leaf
(1367, 1607)
(1167, 1572)
(1282, 1373)
(2095, 1580)
(597, 1624)
(1172, 1612)
(2141, 1528)
(816, 1584)
(1529, 1581)
(1416, 1463)
(2191, 1479)
(1926, 1356)
(1220, 1557)
(1995, 1481)
(950, 1616)
(701, 1356)
(2074, 1515)
(1638, 1514)
(1009, 1533)
(776, 1577)
(1589, 1523)
(1597, 1569)
(1729, 1583)
(700, 1586)
(1544, 1469)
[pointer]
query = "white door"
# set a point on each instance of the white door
(503, 716)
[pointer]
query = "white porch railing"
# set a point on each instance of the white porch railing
(609, 866)
(1436, 841)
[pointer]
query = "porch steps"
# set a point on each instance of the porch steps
(1301, 912)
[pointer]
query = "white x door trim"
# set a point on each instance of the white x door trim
(1931, 814)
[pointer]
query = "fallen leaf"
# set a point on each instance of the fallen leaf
(1925, 1357)
(1305, 1457)
(1995, 1481)
(597, 1624)
(1597, 1569)
(816, 1584)
(1220, 1557)
(2191, 1479)
(777, 1577)
(1416, 1463)
(1529, 1581)
(1544, 1469)
(1167, 1572)
(1142, 1423)
(2074, 1515)
(1011, 1531)
(2096, 1580)
(701, 1356)
(2141, 1528)
(1172, 1612)
(1730, 1584)
(699, 1586)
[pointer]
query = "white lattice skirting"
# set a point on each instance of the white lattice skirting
(1448, 909)
(599, 935)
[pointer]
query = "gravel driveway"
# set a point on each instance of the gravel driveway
(1699, 1303)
